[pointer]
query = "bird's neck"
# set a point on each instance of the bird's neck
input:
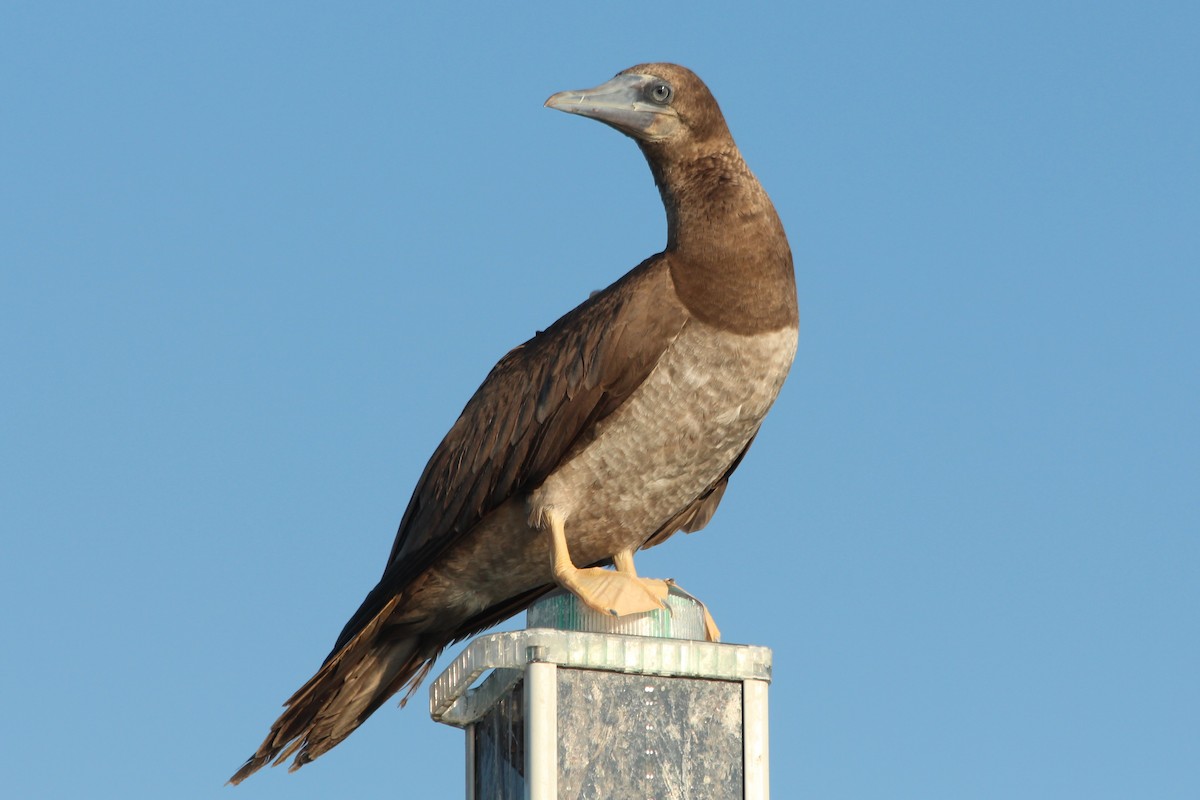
(729, 256)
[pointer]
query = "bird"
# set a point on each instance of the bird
(608, 432)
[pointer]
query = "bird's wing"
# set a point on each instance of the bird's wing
(536, 404)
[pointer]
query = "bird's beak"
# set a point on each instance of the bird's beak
(622, 104)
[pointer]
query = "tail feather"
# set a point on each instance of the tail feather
(347, 689)
(366, 667)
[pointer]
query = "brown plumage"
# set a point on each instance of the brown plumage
(620, 423)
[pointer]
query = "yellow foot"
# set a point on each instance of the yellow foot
(615, 593)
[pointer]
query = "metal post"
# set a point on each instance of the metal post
(541, 728)
(754, 721)
(471, 761)
(610, 715)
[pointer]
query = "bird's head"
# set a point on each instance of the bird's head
(656, 104)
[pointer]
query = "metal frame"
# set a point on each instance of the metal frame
(534, 656)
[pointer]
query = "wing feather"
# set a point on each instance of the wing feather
(536, 404)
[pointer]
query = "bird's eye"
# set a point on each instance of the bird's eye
(660, 93)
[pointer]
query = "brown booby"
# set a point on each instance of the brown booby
(617, 426)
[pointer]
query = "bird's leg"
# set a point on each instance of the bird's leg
(606, 591)
(623, 561)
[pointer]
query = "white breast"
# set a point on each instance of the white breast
(673, 438)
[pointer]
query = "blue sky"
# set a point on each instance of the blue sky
(254, 257)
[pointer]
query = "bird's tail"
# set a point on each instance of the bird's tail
(352, 683)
